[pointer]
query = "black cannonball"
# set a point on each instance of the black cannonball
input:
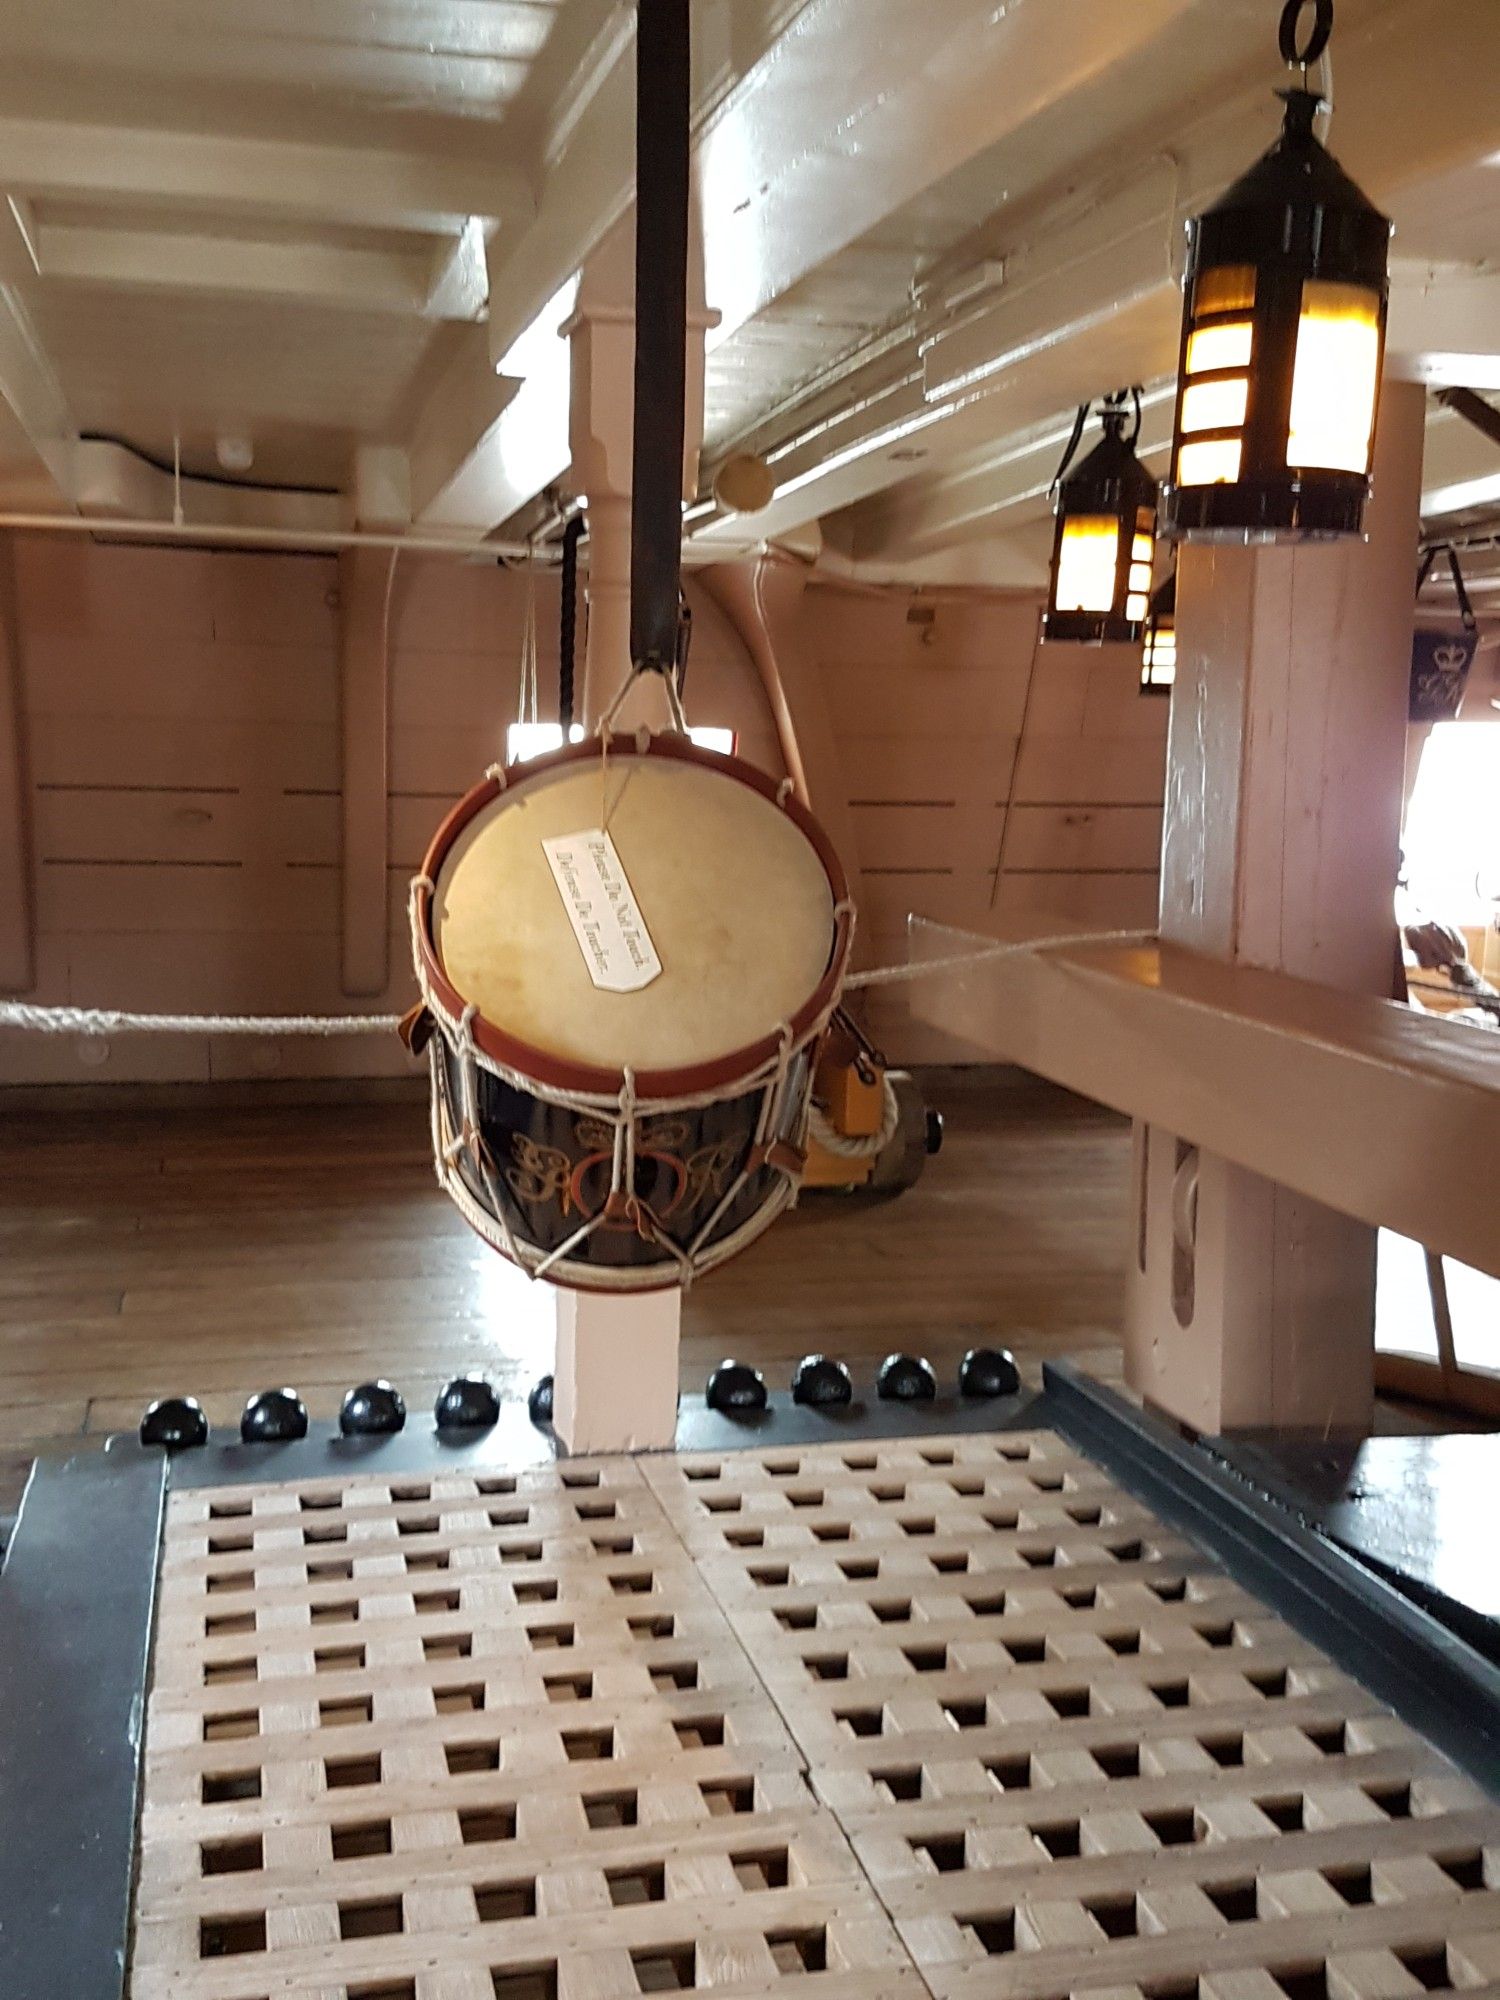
(372, 1409)
(274, 1416)
(821, 1382)
(539, 1403)
(468, 1403)
(906, 1378)
(734, 1388)
(988, 1371)
(175, 1422)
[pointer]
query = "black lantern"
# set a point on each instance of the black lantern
(1106, 535)
(1283, 331)
(1159, 660)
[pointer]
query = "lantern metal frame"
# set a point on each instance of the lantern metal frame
(1110, 483)
(1294, 220)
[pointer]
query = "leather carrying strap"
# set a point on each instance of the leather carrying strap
(663, 88)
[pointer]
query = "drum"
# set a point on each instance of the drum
(627, 959)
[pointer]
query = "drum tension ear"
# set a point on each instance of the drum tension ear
(416, 1029)
(781, 1154)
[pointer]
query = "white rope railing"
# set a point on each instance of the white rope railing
(119, 1021)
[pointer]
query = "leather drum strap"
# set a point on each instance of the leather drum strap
(663, 88)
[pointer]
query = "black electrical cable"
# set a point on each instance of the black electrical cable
(572, 536)
(663, 91)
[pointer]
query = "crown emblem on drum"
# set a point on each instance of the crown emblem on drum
(1451, 659)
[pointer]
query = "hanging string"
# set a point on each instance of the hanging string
(526, 702)
(567, 634)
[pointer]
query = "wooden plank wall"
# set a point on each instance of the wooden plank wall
(930, 693)
(180, 710)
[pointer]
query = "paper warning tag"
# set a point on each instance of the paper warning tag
(602, 909)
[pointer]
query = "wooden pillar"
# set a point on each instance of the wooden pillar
(1248, 1304)
(17, 941)
(366, 576)
(615, 1375)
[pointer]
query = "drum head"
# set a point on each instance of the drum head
(735, 898)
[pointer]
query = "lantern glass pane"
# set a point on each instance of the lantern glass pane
(1334, 377)
(1209, 462)
(1135, 607)
(1141, 548)
(1086, 563)
(1225, 288)
(1213, 347)
(1214, 406)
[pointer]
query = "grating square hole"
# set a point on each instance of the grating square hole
(1005, 1522)
(225, 1787)
(702, 1733)
(1216, 1635)
(629, 1886)
(597, 1510)
(810, 1498)
(388, 1989)
(1271, 1685)
(545, 1638)
(361, 1838)
(1467, 1869)
(1115, 1915)
(235, 1621)
(1171, 1694)
(1069, 1701)
(950, 1565)
(1171, 1592)
(1225, 1750)
(448, 1646)
(1039, 1558)
(887, 1494)
(896, 1611)
(408, 1494)
(862, 1462)
(631, 1583)
(861, 1569)
(228, 1727)
(502, 1902)
(784, 1468)
(459, 1700)
(570, 1687)
(656, 1625)
(330, 1572)
(1330, 1741)
(332, 1531)
(1123, 1642)
(521, 1552)
(669, 1971)
(746, 1538)
(1126, 1552)
(466, 1757)
(728, 1797)
(1086, 1517)
(1304, 1982)
(1174, 1829)
(768, 1577)
(679, 1674)
(1047, 1482)
(232, 1857)
(1393, 1800)
(417, 1524)
(509, 1517)
(1284, 1813)
(1082, 1598)
(339, 1659)
(1026, 1652)
(700, 1472)
(899, 1783)
(543, 1590)
(995, 1933)
(1234, 1901)
(611, 1809)
(944, 1851)
(229, 1510)
(723, 1503)
(967, 1489)
(766, 1870)
(860, 1721)
(346, 1714)
(228, 1937)
(230, 1580)
(318, 1503)
(447, 1601)
(990, 1604)
(937, 1456)
(485, 1824)
(1011, 1774)
(1118, 1760)
(230, 1545)
(833, 1531)
(216, 1672)
(1353, 1884)
(1428, 1966)
(1061, 1839)
(966, 1714)
(378, 1918)
(589, 1746)
(614, 1545)
(490, 1489)
(922, 1525)
(433, 1559)
(926, 1659)
(344, 1773)
(799, 1951)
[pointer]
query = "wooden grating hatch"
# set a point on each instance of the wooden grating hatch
(938, 1716)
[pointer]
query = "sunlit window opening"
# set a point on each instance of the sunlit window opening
(1452, 835)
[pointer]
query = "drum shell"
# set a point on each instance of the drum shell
(552, 1169)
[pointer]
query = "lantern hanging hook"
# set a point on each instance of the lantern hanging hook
(1316, 41)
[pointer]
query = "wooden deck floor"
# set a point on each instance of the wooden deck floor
(215, 1252)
